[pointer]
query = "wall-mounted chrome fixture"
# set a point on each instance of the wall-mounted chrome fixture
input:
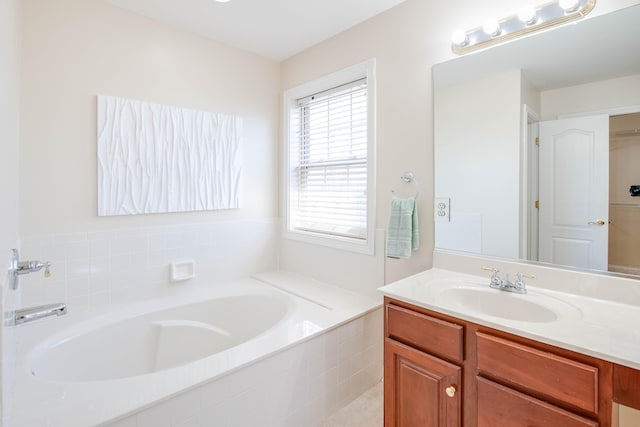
(32, 314)
(18, 268)
(409, 178)
(528, 19)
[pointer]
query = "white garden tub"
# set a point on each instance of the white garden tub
(159, 340)
(103, 368)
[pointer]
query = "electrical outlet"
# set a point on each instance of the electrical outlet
(442, 212)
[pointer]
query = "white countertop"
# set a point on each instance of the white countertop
(602, 328)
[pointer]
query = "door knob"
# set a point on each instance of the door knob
(451, 391)
(598, 222)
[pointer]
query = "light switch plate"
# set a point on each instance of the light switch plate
(442, 211)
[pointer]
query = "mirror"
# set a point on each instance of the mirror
(499, 194)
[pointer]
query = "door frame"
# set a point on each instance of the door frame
(528, 184)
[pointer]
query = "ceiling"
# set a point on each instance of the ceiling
(275, 29)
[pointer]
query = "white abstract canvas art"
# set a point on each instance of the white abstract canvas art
(156, 158)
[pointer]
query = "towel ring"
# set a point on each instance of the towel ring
(409, 178)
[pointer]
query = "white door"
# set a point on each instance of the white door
(574, 192)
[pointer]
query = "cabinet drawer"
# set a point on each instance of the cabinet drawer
(426, 333)
(499, 406)
(538, 372)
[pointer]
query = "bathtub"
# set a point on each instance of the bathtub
(118, 367)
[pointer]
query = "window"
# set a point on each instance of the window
(330, 160)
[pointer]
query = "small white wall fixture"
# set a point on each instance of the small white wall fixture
(155, 158)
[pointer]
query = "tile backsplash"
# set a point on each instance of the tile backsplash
(92, 270)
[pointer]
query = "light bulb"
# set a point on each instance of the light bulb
(492, 28)
(527, 14)
(569, 5)
(460, 38)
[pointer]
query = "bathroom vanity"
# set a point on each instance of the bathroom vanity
(450, 362)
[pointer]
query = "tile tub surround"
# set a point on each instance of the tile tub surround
(304, 381)
(100, 269)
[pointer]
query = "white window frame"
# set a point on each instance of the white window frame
(363, 70)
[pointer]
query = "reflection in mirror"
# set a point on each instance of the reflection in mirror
(537, 146)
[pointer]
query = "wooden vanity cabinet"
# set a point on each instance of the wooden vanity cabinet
(626, 386)
(422, 369)
(498, 379)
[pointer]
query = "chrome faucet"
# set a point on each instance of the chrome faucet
(33, 266)
(518, 286)
(27, 315)
(18, 268)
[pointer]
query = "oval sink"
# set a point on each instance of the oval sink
(530, 307)
(506, 306)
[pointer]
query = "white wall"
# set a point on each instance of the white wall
(9, 137)
(478, 136)
(605, 94)
(74, 50)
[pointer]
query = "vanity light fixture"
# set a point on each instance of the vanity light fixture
(528, 14)
(569, 5)
(528, 19)
(460, 38)
(492, 28)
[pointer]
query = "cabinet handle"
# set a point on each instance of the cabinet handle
(451, 390)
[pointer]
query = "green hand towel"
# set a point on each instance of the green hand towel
(403, 233)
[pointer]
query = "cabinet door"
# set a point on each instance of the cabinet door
(420, 390)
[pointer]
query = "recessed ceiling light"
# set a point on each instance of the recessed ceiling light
(223, 1)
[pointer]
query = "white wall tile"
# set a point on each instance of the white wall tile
(156, 416)
(127, 422)
(195, 421)
(185, 406)
(123, 261)
(77, 249)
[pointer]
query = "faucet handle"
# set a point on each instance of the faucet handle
(496, 281)
(519, 284)
(520, 276)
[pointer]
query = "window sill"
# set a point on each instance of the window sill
(365, 247)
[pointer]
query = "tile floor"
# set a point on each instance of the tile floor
(365, 411)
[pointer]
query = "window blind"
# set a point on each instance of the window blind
(328, 191)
